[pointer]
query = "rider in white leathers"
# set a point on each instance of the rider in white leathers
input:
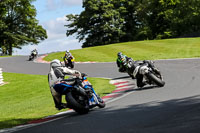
(56, 75)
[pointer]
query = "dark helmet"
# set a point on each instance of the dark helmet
(121, 57)
(119, 54)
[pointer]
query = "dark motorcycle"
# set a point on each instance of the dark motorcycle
(151, 75)
(79, 94)
(32, 56)
(69, 61)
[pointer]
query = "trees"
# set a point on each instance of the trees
(185, 18)
(110, 21)
(168, 18)
(98, 24)
(2, 26)
(18, 25)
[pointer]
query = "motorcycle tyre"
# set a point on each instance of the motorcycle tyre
(75, 105)
(30, 58)
(155, 79)
(101, 105)
(72, 65)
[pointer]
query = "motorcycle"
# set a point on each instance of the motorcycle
(69, 62)
(32, 56)
(79, 94)
(151, 75)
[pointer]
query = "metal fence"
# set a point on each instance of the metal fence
(1, 77)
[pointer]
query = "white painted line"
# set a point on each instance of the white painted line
(62, 113)
(179, 59)
(1, 77)
(118, 81)
(115, 99)
(130, 86)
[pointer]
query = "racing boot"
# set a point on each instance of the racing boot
(62, 106)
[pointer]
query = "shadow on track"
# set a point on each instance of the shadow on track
(147, 87)
(124, 77)
(177, 115)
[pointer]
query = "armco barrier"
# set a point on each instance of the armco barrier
(1, 77)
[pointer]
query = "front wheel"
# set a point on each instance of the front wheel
(30, 58)
(75, 105)
(101, 104)
(72, 65)
(155, 79)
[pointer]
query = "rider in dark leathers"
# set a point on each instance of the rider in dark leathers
(67, 58)
(127, 64)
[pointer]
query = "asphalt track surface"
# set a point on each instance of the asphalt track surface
(170, 109)
(20, 64)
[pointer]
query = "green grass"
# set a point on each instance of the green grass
(27, 97)
(5, 56)
(101, 86)
(139, 50)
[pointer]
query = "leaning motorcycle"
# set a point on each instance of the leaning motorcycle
(79, 94)
(32, 56)
(69, 62)
(151, 75)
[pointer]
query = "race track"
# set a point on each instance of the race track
(170, 109)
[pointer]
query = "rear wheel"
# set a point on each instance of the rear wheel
(75, 105)
(155, 79)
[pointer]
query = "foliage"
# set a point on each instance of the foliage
(170, 18)
(110, 21)
(18, 25)
(99, 22)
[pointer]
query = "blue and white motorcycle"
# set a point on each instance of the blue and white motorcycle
(79, 94)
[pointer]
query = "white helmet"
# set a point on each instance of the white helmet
(55, 63)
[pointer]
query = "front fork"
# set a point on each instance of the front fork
(94, 100)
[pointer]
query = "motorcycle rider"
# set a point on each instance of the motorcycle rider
(67, 56)
(34, 52)
(56, 76)
(121, 61)
(127, 64)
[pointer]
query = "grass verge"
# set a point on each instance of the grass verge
(27, 97)
(139, 50)
(5, 56)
